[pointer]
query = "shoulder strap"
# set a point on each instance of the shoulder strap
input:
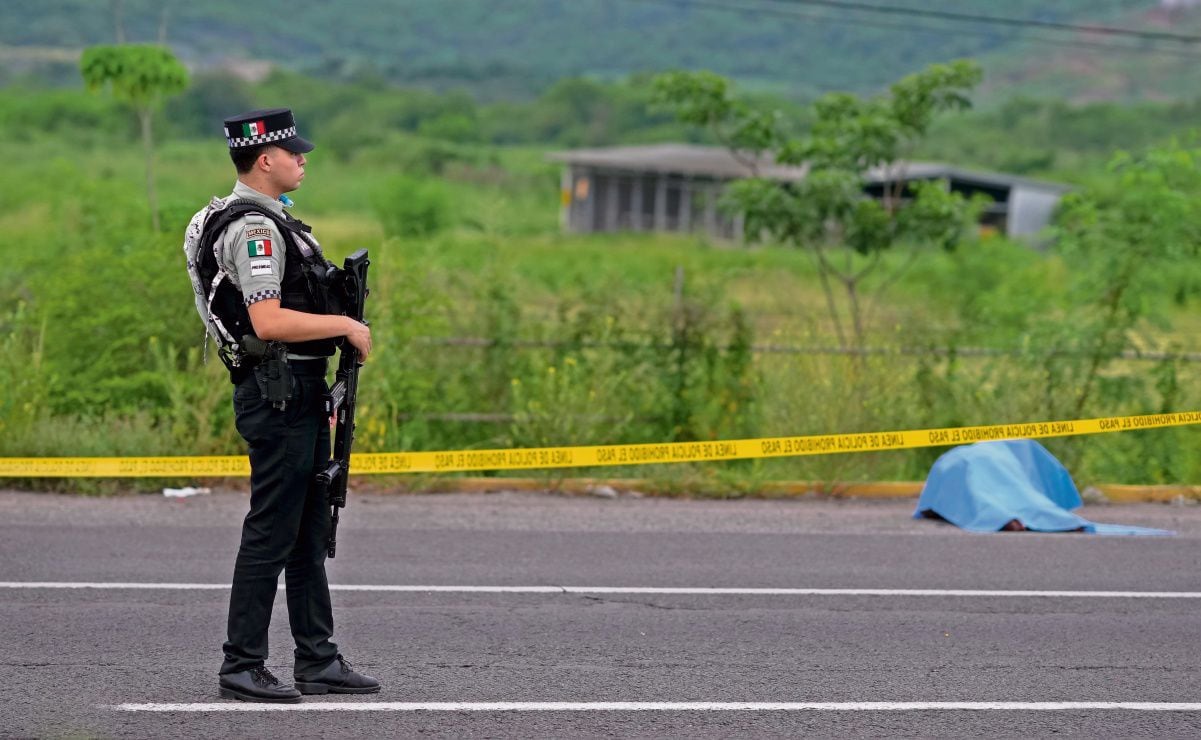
(233, 210)
(240, 207)
(211, 270)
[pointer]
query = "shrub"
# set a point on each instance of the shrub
(411, 207)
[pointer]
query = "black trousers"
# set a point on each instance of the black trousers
(287, 526)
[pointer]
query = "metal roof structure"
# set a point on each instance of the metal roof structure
(940, 171)
(676, 187)
(719, 163)
(680, 159)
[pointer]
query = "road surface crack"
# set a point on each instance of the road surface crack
(649, 604)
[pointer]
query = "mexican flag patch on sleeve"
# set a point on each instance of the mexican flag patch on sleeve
(259, 247)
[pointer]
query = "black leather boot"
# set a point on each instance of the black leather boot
(257, 684)
(337, 678)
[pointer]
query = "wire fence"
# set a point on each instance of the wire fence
(1135, 355)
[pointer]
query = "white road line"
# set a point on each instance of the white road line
(115, 585)
(637, 591)
(667, 706)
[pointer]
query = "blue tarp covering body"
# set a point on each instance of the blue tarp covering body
(983, 486)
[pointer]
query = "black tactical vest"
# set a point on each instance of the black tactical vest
(303, 286)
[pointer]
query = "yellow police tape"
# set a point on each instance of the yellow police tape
(453, 461)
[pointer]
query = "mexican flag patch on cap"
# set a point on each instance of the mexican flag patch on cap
(253, 128)
(259, 247)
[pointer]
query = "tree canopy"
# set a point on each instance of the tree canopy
(139, 74)
(848, 140)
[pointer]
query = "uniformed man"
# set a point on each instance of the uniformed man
(276, 265)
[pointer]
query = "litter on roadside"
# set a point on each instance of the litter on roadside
(185, 492)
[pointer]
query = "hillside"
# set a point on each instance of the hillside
(516, 48)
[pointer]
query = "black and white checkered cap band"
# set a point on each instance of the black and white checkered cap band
(267, 138)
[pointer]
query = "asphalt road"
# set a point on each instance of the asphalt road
(77, 654)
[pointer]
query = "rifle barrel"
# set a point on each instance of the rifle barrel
(341, 397)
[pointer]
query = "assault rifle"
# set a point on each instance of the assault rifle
(349, 287)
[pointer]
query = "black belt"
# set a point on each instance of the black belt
(317, 366)
(309, 367)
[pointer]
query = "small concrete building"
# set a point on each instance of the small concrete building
(676, 187)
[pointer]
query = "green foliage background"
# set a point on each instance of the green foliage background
(517, 48)
(494, 329)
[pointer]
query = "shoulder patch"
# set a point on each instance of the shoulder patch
(259, 267)
(258, 247)
(256, 218)
(258, 232)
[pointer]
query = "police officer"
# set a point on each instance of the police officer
(276, 265)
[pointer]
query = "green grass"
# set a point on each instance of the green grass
(102, 351)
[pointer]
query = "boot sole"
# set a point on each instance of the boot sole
(235, 694)
(324, 688)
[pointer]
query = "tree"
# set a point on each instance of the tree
(141, 75)
(828, 212)
(1126, 240)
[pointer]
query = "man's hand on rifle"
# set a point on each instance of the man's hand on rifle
(359, 336)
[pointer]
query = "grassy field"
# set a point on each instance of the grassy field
(589, 339)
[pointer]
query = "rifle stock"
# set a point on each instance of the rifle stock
(332, 481)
